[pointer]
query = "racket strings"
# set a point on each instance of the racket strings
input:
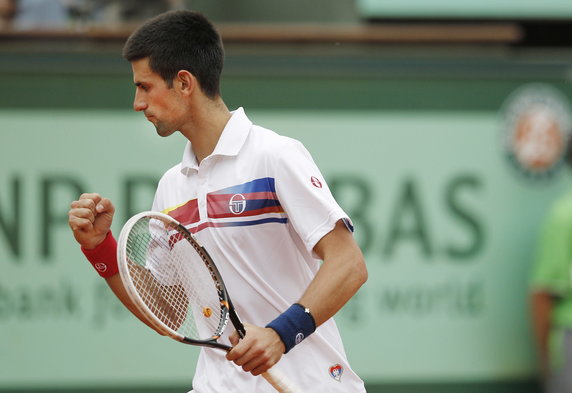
(159, 299)
(172, 279)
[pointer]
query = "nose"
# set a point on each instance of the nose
(139, 104)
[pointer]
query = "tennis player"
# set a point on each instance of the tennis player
(256, 200)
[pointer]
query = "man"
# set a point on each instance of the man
(278, 219)
(551, 294)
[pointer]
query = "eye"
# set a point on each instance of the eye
(142, 86)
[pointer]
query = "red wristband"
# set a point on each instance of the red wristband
(104, 256)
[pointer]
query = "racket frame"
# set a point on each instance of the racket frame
(227, 309)
(275, 377)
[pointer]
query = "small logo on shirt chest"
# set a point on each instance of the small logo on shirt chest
(237, 204)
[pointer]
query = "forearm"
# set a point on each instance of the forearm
(342, 273)
(104, 259)
(339, 278)
(541, 303)
(116, 286)
(161, 307)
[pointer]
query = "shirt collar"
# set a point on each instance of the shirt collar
(229, 144)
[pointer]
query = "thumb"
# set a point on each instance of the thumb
(234, 338)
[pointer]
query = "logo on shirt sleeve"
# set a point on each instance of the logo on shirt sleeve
(316, 182)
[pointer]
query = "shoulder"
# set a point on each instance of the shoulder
(167, 187)
(170, 175)
(560, 212)
(273, 145)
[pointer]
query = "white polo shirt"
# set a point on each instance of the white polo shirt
(259, 205)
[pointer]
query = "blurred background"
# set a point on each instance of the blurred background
(440, 125)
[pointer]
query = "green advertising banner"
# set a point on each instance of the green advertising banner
(446, 205)
(495, 9)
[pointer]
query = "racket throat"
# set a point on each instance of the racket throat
(210, 344)
(237, 323)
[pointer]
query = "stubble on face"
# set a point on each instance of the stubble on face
(163, 128)
(155, 98)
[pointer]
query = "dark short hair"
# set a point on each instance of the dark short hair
(180, 40)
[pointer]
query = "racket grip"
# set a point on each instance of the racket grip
(280, 381)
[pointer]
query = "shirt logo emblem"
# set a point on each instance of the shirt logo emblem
(316, 182)
(336, 372)
(237, 204)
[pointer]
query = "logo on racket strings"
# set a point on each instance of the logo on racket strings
(336, 372)
(237, 204)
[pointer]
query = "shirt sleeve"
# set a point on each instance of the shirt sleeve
(303, 193)
(551, 270)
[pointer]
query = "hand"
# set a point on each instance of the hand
(258, 351)
(90, 219)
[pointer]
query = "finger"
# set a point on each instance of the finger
(104, 205)
(233, 354)
(234, 338)
(256, 363)
(82, 212)
(76, 220)
(260, 369)
(244, 358)
(92, 196)
(236, 354)
(83, 204)
(79, 223)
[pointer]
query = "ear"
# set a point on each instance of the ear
(185, 82)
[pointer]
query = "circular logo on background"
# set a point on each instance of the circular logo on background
(237, 204)
(536, 129)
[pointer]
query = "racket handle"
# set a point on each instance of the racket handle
(280, 382)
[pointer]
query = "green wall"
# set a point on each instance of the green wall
(411, 142)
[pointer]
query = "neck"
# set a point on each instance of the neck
(205, 126)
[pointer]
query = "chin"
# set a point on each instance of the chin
(164, 131)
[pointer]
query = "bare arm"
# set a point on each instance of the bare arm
(90, 220)
(541, 304)
(342, 273)
(156, 302)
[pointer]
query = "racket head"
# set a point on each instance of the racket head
(172, 280)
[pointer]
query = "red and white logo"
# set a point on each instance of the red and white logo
(316, 182)
(336, 372)
(101, 267)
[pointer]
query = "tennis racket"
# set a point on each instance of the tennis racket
(175, 284)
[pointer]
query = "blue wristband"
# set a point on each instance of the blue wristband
(293, 325)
